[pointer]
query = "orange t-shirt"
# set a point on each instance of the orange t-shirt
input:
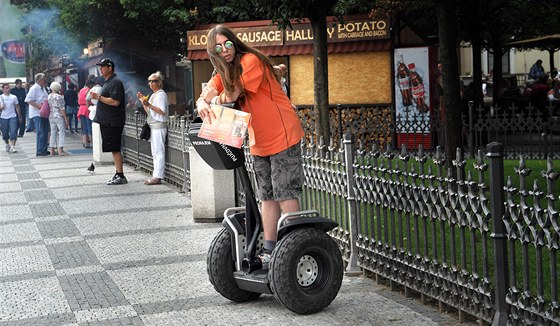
(274, 125)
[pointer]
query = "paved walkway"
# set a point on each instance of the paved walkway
(74, 251)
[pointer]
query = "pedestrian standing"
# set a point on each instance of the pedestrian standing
(71, 102)
(57, 119)
(83, 114)
(157, 110)
(537, 70)
(9, 115)
(20, 93)
(110, 115)
(35, 98)
(30, 125)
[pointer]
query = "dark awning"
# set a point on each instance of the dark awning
(287, 50)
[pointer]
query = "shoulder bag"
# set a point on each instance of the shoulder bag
(146, 131)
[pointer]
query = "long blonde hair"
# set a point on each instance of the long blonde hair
(231, 72)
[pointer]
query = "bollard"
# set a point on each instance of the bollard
(495, 152)
(352, 269)
(98, 156)
(212, 191)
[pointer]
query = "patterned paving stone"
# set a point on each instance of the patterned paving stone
(33, 184)
(19, 233)
(24, 168)
(58, 229)
(130, 202)
(32, 298)
(33, 175)
(132, 221)
(130, 321)
(22, 260)
(7, 198)
(155, 261)
(52, 208)
(105, 313)
(9, 187)
(8, 170)
(67, 319)
(92, 190)
(91, 291)
(163, 283)
(143, 246)
(71, 255)
(39, 195)
(80, 270)
(15, 212)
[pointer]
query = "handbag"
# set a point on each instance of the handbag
(92, 111)
(45, 110)
(145, 133)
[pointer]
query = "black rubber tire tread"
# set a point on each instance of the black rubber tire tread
(220, 268)
(283, 267)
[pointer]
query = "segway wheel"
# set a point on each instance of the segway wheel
(220, 268)
(306, 270)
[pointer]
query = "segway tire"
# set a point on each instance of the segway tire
(306, 270)
(220, 268)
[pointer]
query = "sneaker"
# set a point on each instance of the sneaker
(117, 180)
(264, 257)
(13, 149)
(7, 148)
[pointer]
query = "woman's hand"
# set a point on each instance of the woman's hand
(143, 99)
(204, 110)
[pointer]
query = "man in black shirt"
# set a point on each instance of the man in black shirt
(71, 102)
(20, 93)
(110, 116)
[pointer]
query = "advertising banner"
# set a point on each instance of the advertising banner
(12, 44)
(412, 89)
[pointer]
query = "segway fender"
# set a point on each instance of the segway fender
(320, 223)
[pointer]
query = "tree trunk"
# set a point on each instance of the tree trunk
(497, 71)
(451, 90)
(320, 73)
(476, 44)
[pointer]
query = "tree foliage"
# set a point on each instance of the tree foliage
(156, 25)
(283, 12)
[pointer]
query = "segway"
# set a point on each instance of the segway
(306, 269)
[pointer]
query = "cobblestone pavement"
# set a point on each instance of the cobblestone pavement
(74, 251)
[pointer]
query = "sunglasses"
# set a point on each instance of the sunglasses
(152, 81)
(220, 48)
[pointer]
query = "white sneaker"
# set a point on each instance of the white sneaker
(7, 148)
(13, 149)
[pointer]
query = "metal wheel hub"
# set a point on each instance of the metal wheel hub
(307, 270)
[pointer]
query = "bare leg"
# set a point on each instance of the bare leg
(289, 206)
(271, 214)
(118, 159)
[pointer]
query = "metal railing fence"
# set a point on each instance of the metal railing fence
(465, 237)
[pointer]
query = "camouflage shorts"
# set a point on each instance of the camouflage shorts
(280, 176)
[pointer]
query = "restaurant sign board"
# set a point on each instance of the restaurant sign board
(358, 30)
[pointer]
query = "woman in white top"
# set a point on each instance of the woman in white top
(9, 113)
(157, 109)
(57, 120)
